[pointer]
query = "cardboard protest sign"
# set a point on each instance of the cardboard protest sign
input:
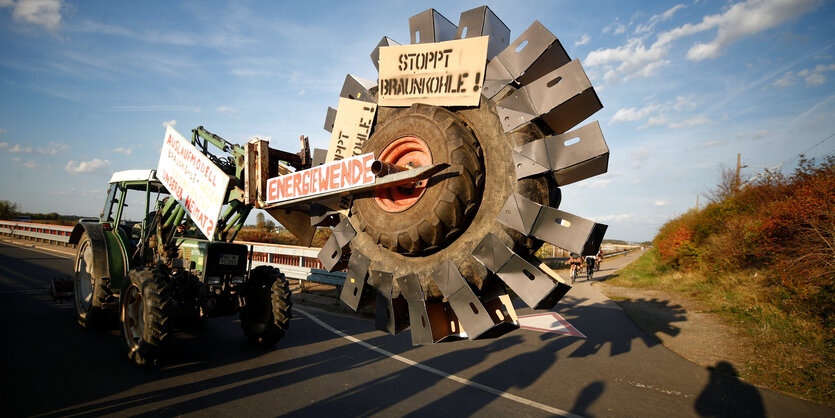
(443, 73)
(197, 183)
(351, 128)
(325, 178)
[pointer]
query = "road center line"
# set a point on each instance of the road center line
(461, 380)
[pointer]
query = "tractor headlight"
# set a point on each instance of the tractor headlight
(236, 279)
(213, 280)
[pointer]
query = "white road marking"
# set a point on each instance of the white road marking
(650, 387)
(39, 249)
(461, 380)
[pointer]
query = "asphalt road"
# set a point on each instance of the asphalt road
(336, 365)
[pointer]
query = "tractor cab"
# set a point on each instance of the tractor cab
(146, 191)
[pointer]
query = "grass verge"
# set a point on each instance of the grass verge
(794, 353)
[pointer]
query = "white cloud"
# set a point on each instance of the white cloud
(787, 80)
(170, 123)
(661, 203)
(229, 111)
(814, 80)
(815, 77)
(632, 114)
(583, 40)
(53, 149)
(654, 113)
(624, 217)
(616, 27)
(122, 150)
(29, 164)
(84, 167)
(654, 121)
(698, 120)
(683, 103)
(655, 19)
(709, 144)
(636, 59)
(619, 29)
(745, 19)
(596, 184)
(17, 148)
(226, 109)
(46, 13)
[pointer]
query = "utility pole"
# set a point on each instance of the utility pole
(738, 167)
(697, 202)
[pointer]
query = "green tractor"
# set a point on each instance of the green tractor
(151, 275)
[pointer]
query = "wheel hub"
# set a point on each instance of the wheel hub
(410, 152)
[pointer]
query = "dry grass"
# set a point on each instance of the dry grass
(794, 351)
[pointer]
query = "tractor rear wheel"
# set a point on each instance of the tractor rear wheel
(145, 314)
(266, 316)
(90, 292)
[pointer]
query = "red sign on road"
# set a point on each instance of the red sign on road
(549, 322)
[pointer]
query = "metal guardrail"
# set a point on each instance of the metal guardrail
(300, 263)
(41, 232)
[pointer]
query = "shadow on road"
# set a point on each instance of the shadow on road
(587, 397)
(655, 316)
(463, 401)
(727, 396)
(604, 325)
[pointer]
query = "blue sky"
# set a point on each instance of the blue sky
(87, 87)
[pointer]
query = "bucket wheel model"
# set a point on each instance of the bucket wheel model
(443, 249)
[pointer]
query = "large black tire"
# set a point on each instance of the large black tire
(494, 148)
(445, 208)
(90, 292)
(145, 314)
(266, 315)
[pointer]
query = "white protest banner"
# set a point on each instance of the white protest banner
(351, 128)
(325, 178)
(198, 184)
(443, 73)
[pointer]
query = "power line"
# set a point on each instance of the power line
(807, 150)
(777, 168)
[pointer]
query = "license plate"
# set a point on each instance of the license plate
(229, 259)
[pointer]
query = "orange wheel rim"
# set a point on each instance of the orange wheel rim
(407, 151)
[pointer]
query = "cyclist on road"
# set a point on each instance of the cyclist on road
(575, 262)
(590, 261)
(599, 260)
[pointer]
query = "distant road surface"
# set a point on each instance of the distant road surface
(337, 365)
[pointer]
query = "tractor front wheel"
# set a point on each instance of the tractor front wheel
(266, 315)
(145, 314)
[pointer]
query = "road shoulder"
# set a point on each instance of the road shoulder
(681, 324)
